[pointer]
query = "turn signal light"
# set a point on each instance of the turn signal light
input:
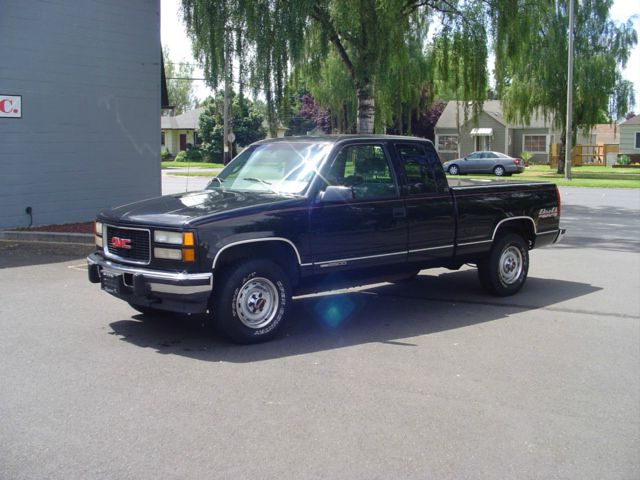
(187, 239)
(188, 255)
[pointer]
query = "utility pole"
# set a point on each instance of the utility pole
(227, 99)
(568, 143)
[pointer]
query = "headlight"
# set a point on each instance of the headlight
(98, 234)
(172, 238)
(168, 253)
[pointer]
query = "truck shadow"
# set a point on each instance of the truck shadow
(391, 314)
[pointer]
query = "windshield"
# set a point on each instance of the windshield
(273, 167)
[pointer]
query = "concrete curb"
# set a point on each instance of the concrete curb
(47, 237)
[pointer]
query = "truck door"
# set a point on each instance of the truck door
(430, 208)
(369, 229)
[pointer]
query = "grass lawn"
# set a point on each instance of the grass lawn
(191, 165)
(195, 173)
(588, 176)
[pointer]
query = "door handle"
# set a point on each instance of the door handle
(399, 212)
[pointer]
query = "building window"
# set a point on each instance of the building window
(448, 143)
(162, 138)
(637, 139)
(535, 143)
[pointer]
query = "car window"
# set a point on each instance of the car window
(364, 168)
(490, 155)
(473, 156)
(417, 169)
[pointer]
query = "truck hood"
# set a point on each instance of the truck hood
(183, 208)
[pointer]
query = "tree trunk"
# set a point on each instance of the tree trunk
(366, 109)
(563, 149)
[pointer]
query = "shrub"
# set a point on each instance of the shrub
(624, 160)
(190, 155)
(165, 154)
(526, 156)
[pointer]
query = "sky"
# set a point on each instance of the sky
(175, 38)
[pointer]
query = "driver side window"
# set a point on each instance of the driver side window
(365, 169)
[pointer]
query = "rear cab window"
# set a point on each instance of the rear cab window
(420, 168)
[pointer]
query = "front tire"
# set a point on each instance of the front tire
(505, 270)
(250, 300)
(454, 170)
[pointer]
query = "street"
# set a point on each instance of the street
(428, 379)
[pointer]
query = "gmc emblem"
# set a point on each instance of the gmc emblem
(121, 243)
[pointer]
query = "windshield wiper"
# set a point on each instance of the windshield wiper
(259, 180)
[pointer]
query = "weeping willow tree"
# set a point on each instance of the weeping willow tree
(375, 49)
(532, 76)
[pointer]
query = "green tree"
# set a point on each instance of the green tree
(247, 123)
(534, 79)
(179, 84)
(368, 56)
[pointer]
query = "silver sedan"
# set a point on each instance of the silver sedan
(496, 163)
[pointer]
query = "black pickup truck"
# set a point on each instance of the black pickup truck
(288, 214)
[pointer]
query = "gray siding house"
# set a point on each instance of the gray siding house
(87, 135)
(457, 137)
(630, 138)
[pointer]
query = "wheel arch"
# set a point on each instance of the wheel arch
(280, 250)
(523, 225)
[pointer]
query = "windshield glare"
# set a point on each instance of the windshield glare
(273, 167)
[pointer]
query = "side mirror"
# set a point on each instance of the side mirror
(334, 193)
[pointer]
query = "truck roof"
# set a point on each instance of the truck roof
(339, 138)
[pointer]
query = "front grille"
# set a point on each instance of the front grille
(137, 239)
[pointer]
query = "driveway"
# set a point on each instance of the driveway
(431, 379)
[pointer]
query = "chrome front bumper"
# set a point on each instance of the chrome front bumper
(182, 292)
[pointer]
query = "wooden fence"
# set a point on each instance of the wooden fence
(585, 154)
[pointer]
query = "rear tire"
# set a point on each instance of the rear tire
(499, 171)
(505, 270)
(250, 300)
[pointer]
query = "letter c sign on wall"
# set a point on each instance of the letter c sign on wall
(10, 106)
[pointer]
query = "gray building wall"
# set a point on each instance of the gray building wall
(496, 143)
(628, 139)
(517, 142)
(89, 136)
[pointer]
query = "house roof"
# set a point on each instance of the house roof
(632, 121)
(493, 108)
(186, 121)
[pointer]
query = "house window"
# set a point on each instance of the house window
(535, 143)
(162, 138)
(447, 143)
(637, 139)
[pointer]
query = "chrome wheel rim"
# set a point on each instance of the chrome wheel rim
(499, 171)
(257, 302)
(511, 265)
(453, 170)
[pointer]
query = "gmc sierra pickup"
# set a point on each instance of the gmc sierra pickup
(287, 213)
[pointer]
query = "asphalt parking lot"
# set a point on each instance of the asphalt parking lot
(430, 379)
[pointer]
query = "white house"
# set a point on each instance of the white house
(178, 131)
